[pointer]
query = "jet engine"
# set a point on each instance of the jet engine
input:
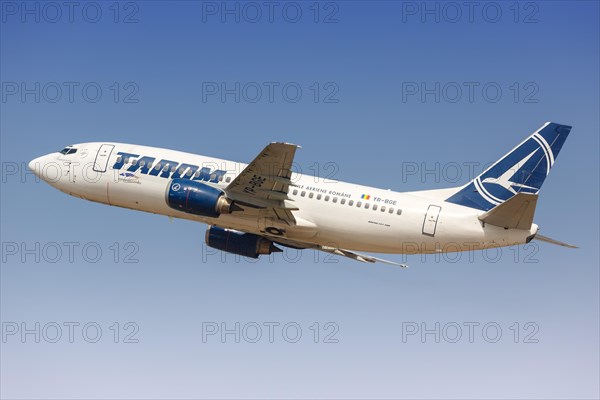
(197, 198)
(243, 244)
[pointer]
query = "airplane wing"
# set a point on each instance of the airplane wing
(264, 185)
(265, 182)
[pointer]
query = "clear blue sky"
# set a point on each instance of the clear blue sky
(379, 98)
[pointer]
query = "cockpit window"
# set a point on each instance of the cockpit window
(68, 150)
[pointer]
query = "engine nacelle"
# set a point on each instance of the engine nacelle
(243, 244)
(197, 198)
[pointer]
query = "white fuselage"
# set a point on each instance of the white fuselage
(330, 213)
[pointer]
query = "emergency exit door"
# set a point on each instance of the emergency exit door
(101, 161)
(431, 219)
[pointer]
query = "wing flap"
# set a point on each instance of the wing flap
(358, 256)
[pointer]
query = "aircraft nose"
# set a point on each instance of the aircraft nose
(41, 167)
(35, 166)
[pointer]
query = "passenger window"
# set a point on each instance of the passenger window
(310, 195)
(326, 198)
(303, 193)
(119, 159)
(399, 212)
(181, 171)
(351, 202)
(374, 207)
(367, 206)
(343, 201)
(391, 210)
(295, 192)
(358, 204)
(334, 200)
(228, 179)
(382, 208)
(319, 197)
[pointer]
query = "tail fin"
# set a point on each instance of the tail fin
(522, 170)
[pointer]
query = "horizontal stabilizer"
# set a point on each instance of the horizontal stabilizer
(516, 212)
(552, 241)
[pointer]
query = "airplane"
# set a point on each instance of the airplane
(253, 209)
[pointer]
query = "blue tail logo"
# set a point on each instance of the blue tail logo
(524, 169)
